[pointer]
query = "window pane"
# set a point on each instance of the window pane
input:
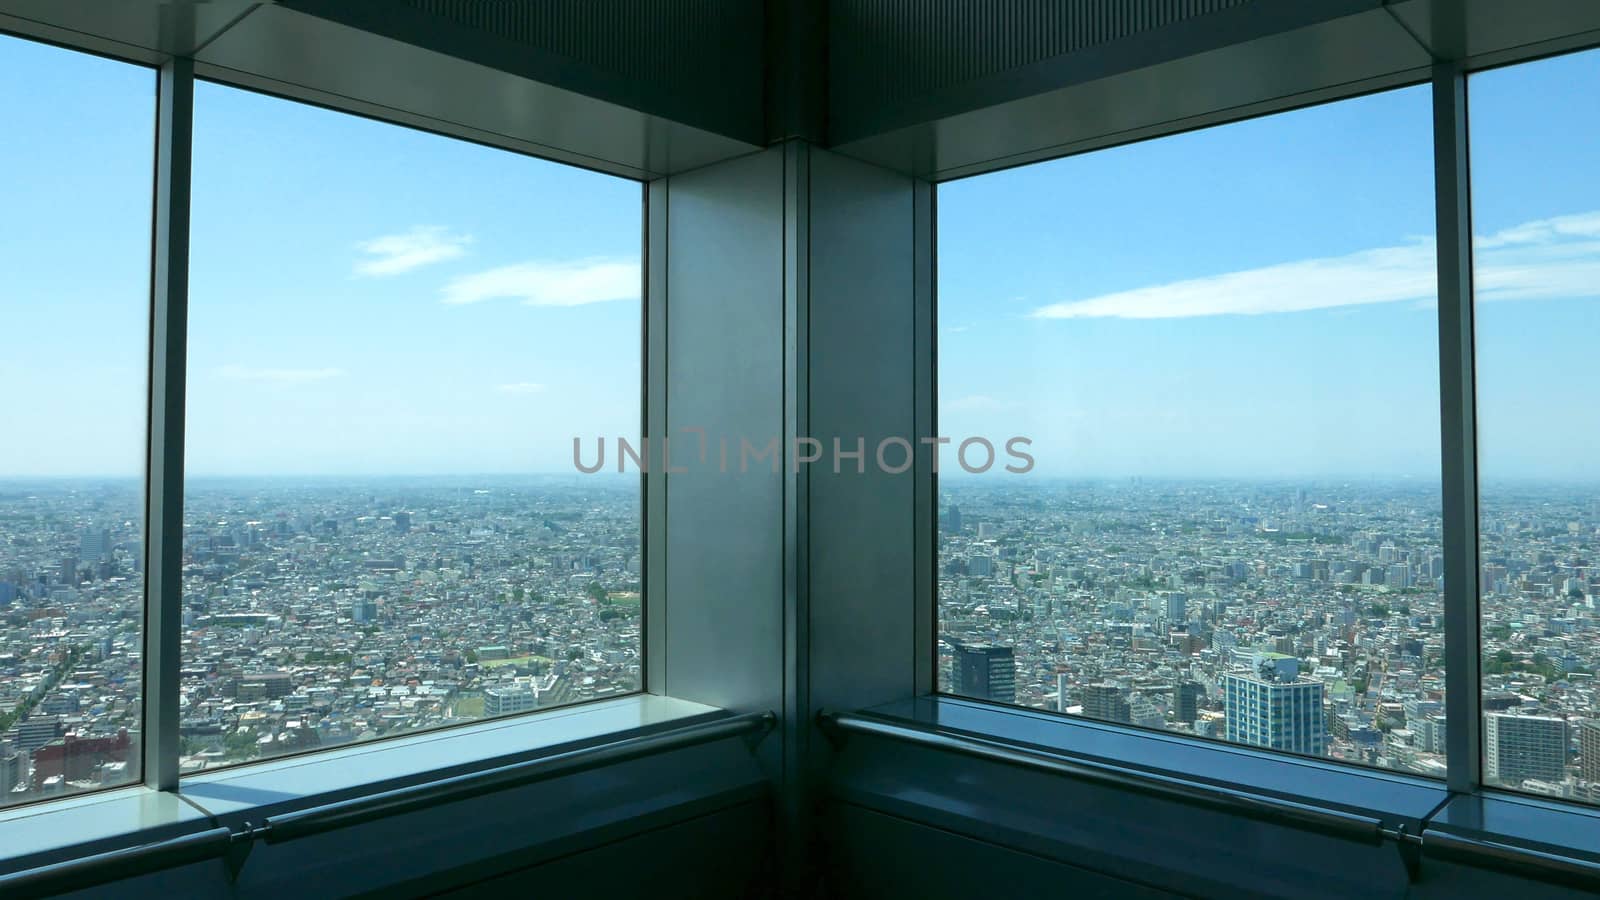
(394, 339)
(1536, 271)
(75, 185)
(1223, 348)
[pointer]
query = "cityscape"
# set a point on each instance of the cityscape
(315, 613)
(1303, 617)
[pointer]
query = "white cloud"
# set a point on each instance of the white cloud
(423, 245)
(544, 283)
(1544, 231)
(1558, 257)
(278, 376)
(978, 402)
(521, 387)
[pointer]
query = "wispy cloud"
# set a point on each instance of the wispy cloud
(278, 376)
(520, 387)
(549, 283)
(1546, 258)
(423, 245)
(977, 402)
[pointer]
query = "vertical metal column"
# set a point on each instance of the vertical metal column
(655, 429)
(1458, 421)
(925, 505)
(169, 325)
(795, 831)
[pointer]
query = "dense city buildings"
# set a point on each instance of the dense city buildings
(315, 613)
(1274, 707)
(1302, 617)
(984, 671)
(1519, 749)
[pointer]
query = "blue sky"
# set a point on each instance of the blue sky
(1249, 300)
(1258, 299)
(364, 298)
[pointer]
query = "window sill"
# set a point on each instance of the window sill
(1393, 797)
(1097, 797)
(1543, 826)
(55, 831)
(917, 761)
(277, 786)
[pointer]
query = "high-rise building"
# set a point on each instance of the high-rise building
(985, 671)
(1273, 707)
(509, 699)
(1399, 576)
(1589, 750)
(36, 731)
(953, 520)
(13, 768)
(364, 611)
(1145, 713)
(95, 545)
(1106, 701)
(1430, 733)
(1176, 606)
(1518, 748)
(1188, 700)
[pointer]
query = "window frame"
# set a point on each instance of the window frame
(922, 616)
(164, 464)
(152, 68)
(172, 679)
(1459, 482)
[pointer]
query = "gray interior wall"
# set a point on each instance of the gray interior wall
(910, 822)
(721, 854)
(873, 855)
(861, 382)
(724, 347)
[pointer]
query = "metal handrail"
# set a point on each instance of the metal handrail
(222, 842)
(1558, 868)
(1337, 823)
(114, 865)
(358, 810)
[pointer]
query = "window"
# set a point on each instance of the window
(1223, 348)
(75, 188)
(394, 338)
(1536, 272)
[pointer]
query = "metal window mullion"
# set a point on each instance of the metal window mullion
(655, 429)
(794, 804)
(1458, 423)
(169, 306)
(925, 503)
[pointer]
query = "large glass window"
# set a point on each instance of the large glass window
(394, 338)
(1536, 271)
(76, 162)
(1223, 348)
